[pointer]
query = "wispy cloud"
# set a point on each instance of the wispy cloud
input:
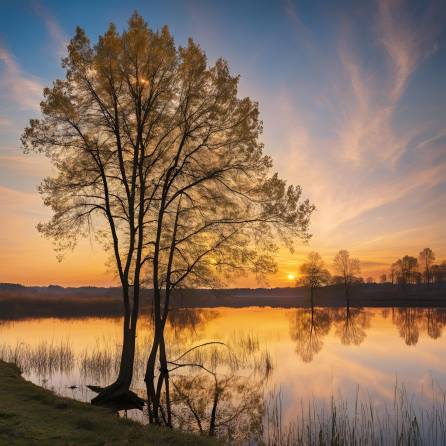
(407, 40)
(366, 129)
(18, 87)
(24, 165)
(343, 140)
(302, 31)
(56, 33)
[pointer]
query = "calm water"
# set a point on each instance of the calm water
(290, 356)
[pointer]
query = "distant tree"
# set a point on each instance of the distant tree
(347, 268)
(337, 280)
(426, 259)
(370, 280)
(439, 273)
(395, 272)
(409, 271)
(383, 278)
(314, 274)
(405, 270)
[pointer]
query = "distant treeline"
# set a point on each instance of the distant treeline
(18, 301)
(412, 270)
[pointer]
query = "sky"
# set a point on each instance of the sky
(352, 95)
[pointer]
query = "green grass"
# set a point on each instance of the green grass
(30, 415)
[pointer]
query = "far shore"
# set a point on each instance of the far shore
(17, 301)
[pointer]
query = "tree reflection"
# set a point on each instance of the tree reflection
(412, 322)
(351, 324)
(213, 388)
(184, 323)
(229, 407)
(435, 320)
(307, 328)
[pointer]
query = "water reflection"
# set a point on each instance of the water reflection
(412, 322)
(230, 407)
(351, 324)
(308, 326)
(221, 389)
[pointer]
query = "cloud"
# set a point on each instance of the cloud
(356, 144)
(370, 94)
(57, 34)
(407, 40)
(17, 86)
(19, 203)
(24, 165)
(391, 191)
(303, 34)
(5, 123)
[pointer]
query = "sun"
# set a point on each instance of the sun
(291, 276)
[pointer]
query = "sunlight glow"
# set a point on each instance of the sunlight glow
(291, 276)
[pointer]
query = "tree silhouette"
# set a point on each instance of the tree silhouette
(313, 273)
(427, 258)
(220, 210)
(347, 268)
(102, 127)
(156, 155)
(404, 270)
(439, 273)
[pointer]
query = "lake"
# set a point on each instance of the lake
(274, 373)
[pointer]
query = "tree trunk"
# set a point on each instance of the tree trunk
(150, 380)
(121, 387)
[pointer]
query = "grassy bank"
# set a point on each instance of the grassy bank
(30, 415)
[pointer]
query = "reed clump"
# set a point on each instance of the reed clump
(43, 359)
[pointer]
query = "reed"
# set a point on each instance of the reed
(359, 422)
(44, 359)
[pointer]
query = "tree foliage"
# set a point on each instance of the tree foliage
(157, 156)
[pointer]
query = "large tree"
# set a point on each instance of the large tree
(220, 208)
(155, 151)
(102, 127)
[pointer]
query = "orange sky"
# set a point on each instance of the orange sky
(353, 105)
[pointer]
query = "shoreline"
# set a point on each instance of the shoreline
(20, 302)
(32, 415)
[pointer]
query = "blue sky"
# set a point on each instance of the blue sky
(352, 95)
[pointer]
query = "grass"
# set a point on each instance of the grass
(359, 423)
(30, 415)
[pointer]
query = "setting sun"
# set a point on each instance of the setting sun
(291, 276)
